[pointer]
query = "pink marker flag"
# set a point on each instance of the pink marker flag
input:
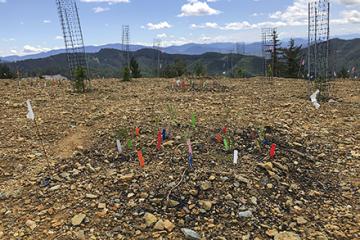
(189, 145)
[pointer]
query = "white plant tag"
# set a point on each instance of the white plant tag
(236, 156)
(118, 145)
(314, 100)
(30, 115)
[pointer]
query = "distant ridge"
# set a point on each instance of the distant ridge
(189, 49)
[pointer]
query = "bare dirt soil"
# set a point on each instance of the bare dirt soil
(86, 189)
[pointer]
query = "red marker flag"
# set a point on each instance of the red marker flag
(137, 131)
(272, 150)
(224, 130)
(159, 139)
(141, 158)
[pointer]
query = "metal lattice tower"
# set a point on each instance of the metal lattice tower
(126, 43)
(157, 60)
(268, 45)
(73, 38)
(318, 50)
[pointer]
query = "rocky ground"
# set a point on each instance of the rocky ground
(83, 188)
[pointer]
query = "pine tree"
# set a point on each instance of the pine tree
(199, 69)
(126, 74)
(276, 52)
(180, 67)
(343, 73)
(292, 56)
(80, 76)
(135, 69)
(5, 72)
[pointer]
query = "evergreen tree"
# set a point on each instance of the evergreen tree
(180, 67)
(126, 74)
(135, 69)
(343, 73)
(276, 52)
(293, 59)
(5, 72)
(80, 77)
(199, 69)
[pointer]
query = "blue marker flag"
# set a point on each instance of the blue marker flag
(190, 160)
(164, 134)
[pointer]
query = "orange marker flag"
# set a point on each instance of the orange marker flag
(141, 158)
(218, 137)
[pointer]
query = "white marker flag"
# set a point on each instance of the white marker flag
(118, 145)
(30, 115)
(236, 156)
(313, 98)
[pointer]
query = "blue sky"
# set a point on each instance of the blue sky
(31, 26)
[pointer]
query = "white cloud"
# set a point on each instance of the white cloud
(162, 35)
(197, 8)
(46, 21)
(349, 2)
(32, 49)
(8, 39)
(157, 26)
(2, 1)
(59, 38)
(349, 16)
(100, 9)
(294, 15)
(206, 25)
(239, 26)
(236, 26)
(105, 1)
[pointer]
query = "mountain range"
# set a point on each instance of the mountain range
(190, 48)
(108, 62)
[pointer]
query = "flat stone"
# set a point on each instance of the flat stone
(301, 220)
(190, 234)
(242, 179)
(173, 203)
(127, 177)
(205, 185)
(272, 232)
(205, 204)
(267, 165)
(54, 188)
(31, 224)
(168, 225)
(150, 219)
(77, 219)
(287, 236)
(194, 192)
(159, 225)
(212, 178)
(102, 205)
(80, 235)
(91, 196)
(245, 214)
